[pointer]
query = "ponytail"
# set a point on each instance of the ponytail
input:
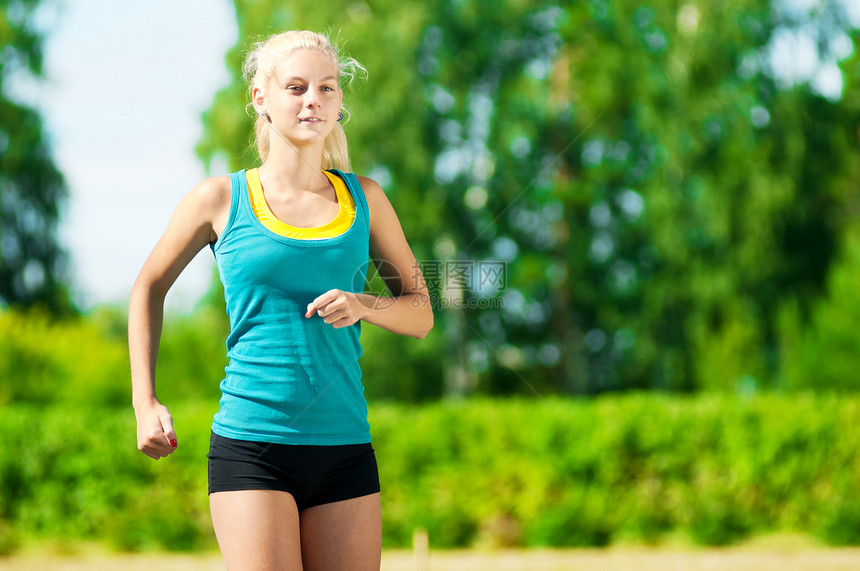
(261, 137)
(335, 153)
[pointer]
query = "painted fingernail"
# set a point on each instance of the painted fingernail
(173, 443)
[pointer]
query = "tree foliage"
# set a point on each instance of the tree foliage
(666, 210)
(32, 190)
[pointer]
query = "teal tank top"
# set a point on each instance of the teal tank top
(290, 379)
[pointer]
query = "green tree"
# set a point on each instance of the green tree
(662, 193)
(740, 181)
(32, 190)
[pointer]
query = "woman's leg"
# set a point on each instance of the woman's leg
(345, 535)
(257, 530)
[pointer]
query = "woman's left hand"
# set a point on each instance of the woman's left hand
(337, 308)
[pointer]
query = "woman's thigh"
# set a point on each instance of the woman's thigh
(257, 530)
(345, 535)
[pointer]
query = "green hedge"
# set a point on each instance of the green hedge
(638, 467)
(505, 472)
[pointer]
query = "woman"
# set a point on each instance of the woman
(292, 475)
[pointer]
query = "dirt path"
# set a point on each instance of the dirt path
(736, 559)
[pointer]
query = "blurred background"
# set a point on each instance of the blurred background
(638, 221)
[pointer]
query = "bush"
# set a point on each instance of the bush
(478, 472)
(637, 467)
(70, 361)
(83, 361)
(69, 474)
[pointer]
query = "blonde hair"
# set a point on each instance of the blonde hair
(259, 68)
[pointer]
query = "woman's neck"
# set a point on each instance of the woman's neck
(293, 168)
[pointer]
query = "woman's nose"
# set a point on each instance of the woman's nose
(312, 99)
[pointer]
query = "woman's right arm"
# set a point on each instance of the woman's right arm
(196, 222)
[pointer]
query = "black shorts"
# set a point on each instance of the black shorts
(313, 475)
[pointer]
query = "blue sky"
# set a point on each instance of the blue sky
(125, 84)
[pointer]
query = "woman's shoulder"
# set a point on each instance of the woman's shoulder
(380, 208)
(212, 192)
(372, 189)
(209, 204)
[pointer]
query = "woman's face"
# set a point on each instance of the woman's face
(303, 97)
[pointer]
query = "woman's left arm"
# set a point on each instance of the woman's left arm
(408, 311)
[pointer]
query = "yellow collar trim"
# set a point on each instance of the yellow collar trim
(339, 225)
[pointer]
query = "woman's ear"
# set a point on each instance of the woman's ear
(259, 100)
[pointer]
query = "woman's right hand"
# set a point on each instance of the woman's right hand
(155, 435)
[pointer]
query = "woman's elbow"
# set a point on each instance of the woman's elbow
(427, 322)
(147, 291)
